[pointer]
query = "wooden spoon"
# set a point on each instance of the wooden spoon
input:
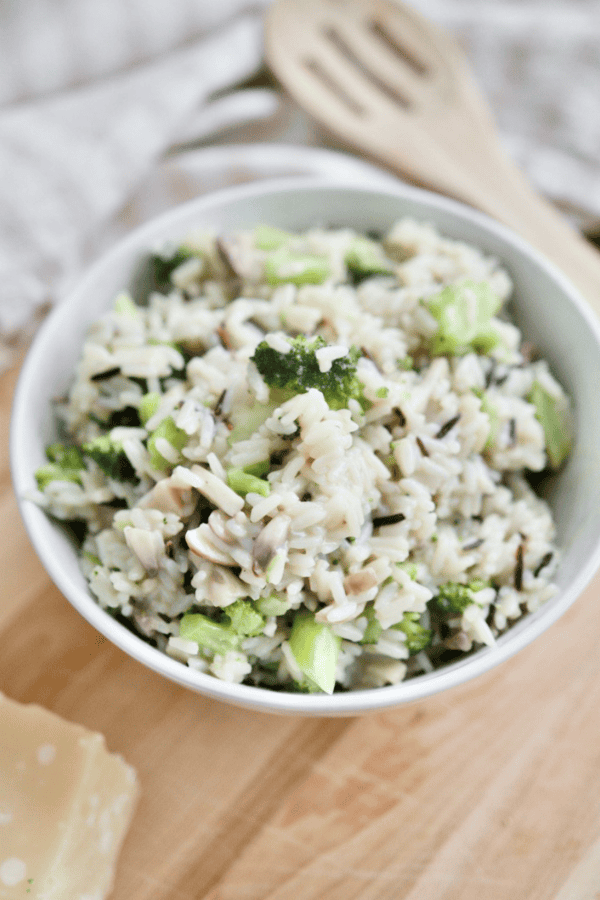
(394, 86)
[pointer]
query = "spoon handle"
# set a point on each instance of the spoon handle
(480, 173)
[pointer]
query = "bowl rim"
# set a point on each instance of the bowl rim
(38, 525)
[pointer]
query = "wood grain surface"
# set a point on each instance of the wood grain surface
(488, 792)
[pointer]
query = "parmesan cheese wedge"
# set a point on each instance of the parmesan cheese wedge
(65, 806)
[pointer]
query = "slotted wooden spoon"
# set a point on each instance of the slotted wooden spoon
(391, 84)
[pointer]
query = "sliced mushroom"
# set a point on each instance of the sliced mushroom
(204, 543)
(223, 587)
(217, 523)
(271, 541)
(149, 625)
(239, 254)
(359, 582)
(169, 498)
(210, 486)
(459, 641)
(148, 546)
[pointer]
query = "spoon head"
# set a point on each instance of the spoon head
(382, 79)
(369, 55)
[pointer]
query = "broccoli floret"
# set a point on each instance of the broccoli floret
(65, 456)
(64, 464)
(244, 483)
(248, 419)
(410, 568)
(125, 306)
(417, 637)
(297, 371)
(258, 469)
(554, 419)
(268, 238)
(492, 413)
(454, 597)
(282, 267)
(161, 267)
(148, 406)
(109, 455)
(365, 258)
(175, 436)
(464, 313)
(273, 605)
(154, 272)
(374, 628)
(239, 620)
(207, 634)
(91, 557)
(244, 618)
(127, 417)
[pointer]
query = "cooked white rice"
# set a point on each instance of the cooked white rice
(418, 475)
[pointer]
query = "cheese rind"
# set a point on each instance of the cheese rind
(65, 806)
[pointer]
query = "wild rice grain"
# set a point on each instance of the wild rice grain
(422, 447)
(518, 577)
(448, 426)
(545, 561)
(108, 373)
(400, 416)
(381, 521)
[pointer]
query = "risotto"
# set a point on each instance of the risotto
(304, 461)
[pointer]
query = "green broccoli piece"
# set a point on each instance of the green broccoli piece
(148, 406)
(239, 620)
(91, 557)
(125, 306)
(374, 628)
(297, 371)
(244, 483)
(273, 605)
(365, 258)
(248, 419)
(64, 464)
(155, 270)
(109, 455)
(455, 597)
(209, 635)
(316, 649)
(410, 568)
(268, 238)
(282, 266)
(555, 422)
(161, 267)
(67, 456)
(417, 637)
(492, 412)
(464, 312)
(171, 433)
(244, 618)
(258, 469)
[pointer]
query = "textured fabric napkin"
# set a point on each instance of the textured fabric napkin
(93, 96)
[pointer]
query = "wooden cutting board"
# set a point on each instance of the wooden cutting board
(488, 792)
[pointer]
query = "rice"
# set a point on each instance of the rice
(244, 528)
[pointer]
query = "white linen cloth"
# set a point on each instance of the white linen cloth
(93, 95)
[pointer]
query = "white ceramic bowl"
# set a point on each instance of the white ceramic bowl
(548, 309)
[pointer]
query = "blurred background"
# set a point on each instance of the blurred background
(113, 111)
